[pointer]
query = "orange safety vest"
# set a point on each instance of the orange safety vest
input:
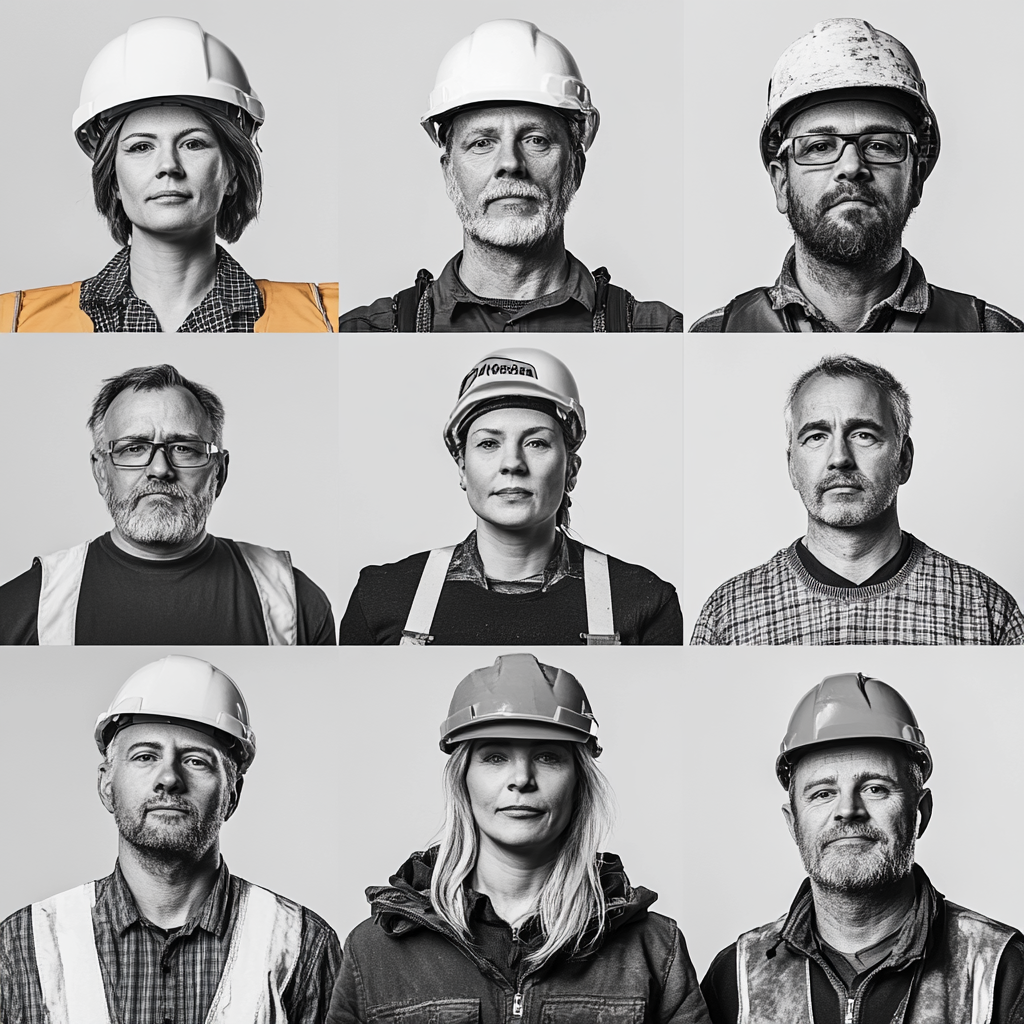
(288, 307)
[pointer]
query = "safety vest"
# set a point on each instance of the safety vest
(262, 957)
(62, 581)
(287, 308)
(957, 987)
(596, 584)
(752, 313)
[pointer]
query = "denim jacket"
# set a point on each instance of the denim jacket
(407, 966)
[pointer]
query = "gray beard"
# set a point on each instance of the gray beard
(176, 524)
(847, 872)
(187, 839)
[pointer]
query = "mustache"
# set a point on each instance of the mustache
(511, 190)
(841, 480)
(174, 805)
(154, 487)
(845, 832)
(865, 192)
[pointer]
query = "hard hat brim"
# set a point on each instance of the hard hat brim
(786, 762)
(513, 729)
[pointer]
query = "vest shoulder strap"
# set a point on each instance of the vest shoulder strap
(262, 957)
(58, 595)
(54, 309)
(67, 963)
(613, 306)
(752, 313)
(292, 307)
(424, 601)
(275, 582)
(598, 589)
(769, 987)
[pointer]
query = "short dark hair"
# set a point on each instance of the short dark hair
(155, 378)
(237, 211)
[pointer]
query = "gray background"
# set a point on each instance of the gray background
(52, 232)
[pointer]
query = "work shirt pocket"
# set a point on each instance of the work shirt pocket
(435, 1011)
(592, 1010)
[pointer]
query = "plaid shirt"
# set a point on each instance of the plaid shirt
(157, 977)
(467, 565)
(231, 306)
(931, 600)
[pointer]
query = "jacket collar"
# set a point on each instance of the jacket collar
(468, 566)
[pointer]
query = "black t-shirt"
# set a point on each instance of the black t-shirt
(207, 597)
(645, 609)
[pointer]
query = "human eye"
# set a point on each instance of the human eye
(878, 789)
(140, 146)
(818, 144)
(538, 442)
(819, 795)
(195, 761)
(143, 756)
(815, 440)
(536, 141)
(487, 443)
(129, 447)
(883, 145)
(194, 142)
(864, 438)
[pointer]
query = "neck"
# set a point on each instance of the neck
(846, 294)
(850, 922)
(511, 879)
(496, 273)
(168, 891)
(514, 554)
(173, 275)
(857, 552)
(157, 552)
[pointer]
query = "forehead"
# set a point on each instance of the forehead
(521, 745)
(846, 760)
(156, 120)
(840, 398)
(847, 117)
(146, 413)
(167, 736)
(512, 118)
(509, 420)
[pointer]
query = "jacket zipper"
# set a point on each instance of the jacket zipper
(517, 1000)
(849, 1011)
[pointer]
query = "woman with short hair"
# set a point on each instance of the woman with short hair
(169, 119)
(518, 578)
(514, 914)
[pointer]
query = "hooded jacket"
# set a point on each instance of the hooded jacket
(408, 965)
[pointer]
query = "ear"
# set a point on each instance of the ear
(572, 471)
(906, 460)
(924, 809)
(581, 165)
(462, 471)
(787, 813)
(780, 176)
(100, 467)
(917, 185)
(222, 472)
(103, 785)
(236, 795)
(789, 467)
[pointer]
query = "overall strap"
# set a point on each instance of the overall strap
(411, 309)
(424, 602)
(598, 589)
(58, 595)
(66, 958)
(262, 957)
(275, 583)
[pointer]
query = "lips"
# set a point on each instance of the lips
(171, 194)
(521, 810)
(514, 491)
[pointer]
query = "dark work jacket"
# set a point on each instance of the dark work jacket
(925, 979)
(407, 965)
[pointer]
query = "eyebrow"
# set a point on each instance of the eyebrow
(192, 748)
(831, 129)
(847, 425)
(502, 433)
(831, 780)
(170, 437)
(153, 135)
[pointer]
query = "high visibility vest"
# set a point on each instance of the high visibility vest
(262, 958)
(596, 584)
(957, 986)
(287, 307)
(62, 581)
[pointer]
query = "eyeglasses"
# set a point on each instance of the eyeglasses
(874, 147)
(131, 453)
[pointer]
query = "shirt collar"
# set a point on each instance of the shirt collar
(448, 290)
(911, 294)
(467, 565)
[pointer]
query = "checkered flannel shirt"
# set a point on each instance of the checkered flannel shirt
(931, 600)
(467, 565)
(152, 976)
(231, 306)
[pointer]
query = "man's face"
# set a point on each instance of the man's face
(854, 815)
(169, 788)
(158, 504)
(511, 174)
(846, 460)
(850, 212)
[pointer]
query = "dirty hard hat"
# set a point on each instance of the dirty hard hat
(849, 707)
(182, 690)
(846, 58)
(509, 61)
(519, 698)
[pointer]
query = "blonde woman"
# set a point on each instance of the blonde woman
(514, 915)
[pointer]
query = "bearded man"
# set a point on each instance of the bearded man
(158, 577)
(515, 121)
(849, 141)
(855, 577)
(170, 934)
(868, 938)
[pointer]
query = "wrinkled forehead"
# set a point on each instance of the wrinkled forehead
(840, 399)
(511, 118)
(852, 759)
(164, 119)
(848, 117)
(168, 737)
(173, 410)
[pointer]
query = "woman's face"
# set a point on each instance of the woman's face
(513, 467)
(522, 793)
(172, 175)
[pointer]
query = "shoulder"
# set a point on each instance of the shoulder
(709, 323)
(315, 930)
(52, 308)
(630, 574)
(409, 568)
(998, 320)
(971, 924)
(294, 306)
(19, 607)
(656, 317)
(753, 581)
(16, 930)
(378, 316)
(961, 574)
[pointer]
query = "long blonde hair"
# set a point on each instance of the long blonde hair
(571, 906)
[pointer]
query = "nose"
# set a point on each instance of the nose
(169, 162)
(168, 779)
(841, 455)
(160, 468)
(512, 461)
(521, 774)
(851, 166)
(850, 807)
(509, 160)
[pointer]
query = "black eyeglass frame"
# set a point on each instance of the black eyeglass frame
(154, 446)
(846, 140)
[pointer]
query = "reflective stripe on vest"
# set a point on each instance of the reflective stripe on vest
(288, 307)
(752, 313)
(271, 572)
(596, 585)
(262, 957)
(779, 989)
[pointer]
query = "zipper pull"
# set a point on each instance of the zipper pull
(515, 934)
(849, 1011)
(517, 1005)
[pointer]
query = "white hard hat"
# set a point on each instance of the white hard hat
(847, 55)
(182, 689)
(524, 372)
(163, 60)
(509, 61)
